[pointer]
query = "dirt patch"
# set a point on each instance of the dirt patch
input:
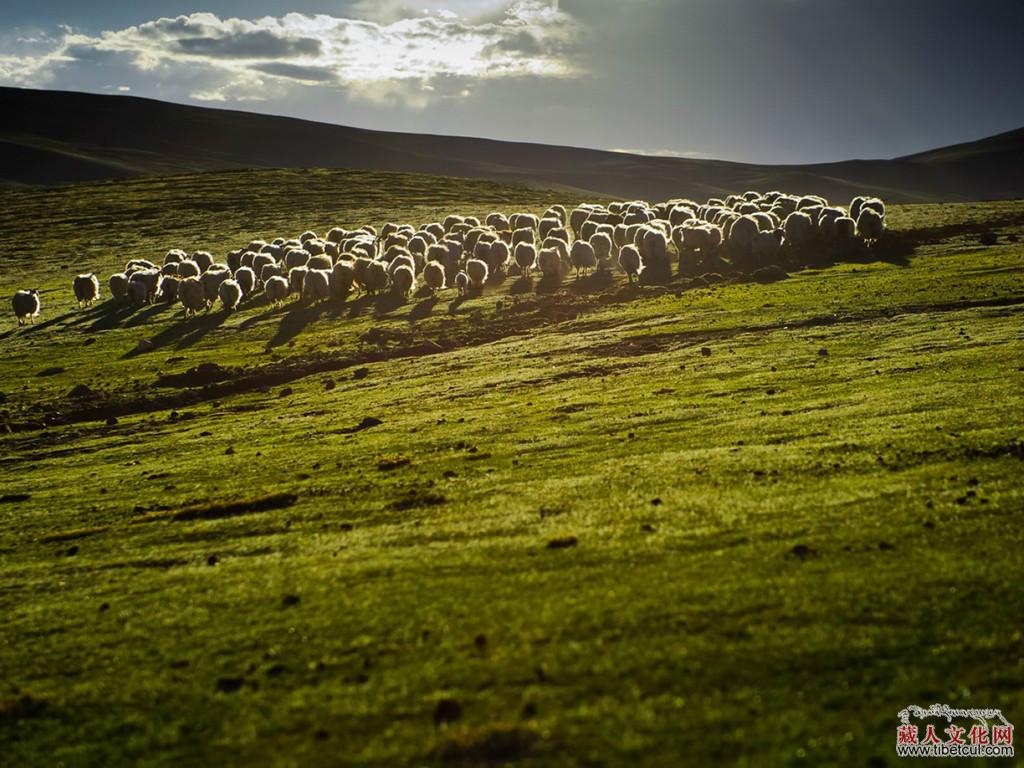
(494, 744)
(198, 376)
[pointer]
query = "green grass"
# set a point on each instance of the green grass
(761, 554)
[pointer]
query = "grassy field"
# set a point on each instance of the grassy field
(739, 524)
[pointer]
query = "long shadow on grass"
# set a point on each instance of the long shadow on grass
(184, 333)
(295, 322)
(422, 310)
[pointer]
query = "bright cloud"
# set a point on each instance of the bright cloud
(238, 59)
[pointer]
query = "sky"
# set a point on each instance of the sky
(770, 81)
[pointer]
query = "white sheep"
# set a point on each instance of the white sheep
(478, 271)
(26, 305)
(142, 286)
(276, 290)
(526, 257)
(191, 295)
(342, 277)
(602, 244)
(583, 256)
(188, 268)
(118, 285)
(798, 228)
(246, 280)
(317, 286)
(549, 262)
(211, 280)
(462, 283)
(168, 292)
(296, 277)
(870, 224)
(203, 259)
(86, 288)
(434, 276)
(403, 281)
(230, 293)
(629, 261)
(376, 277)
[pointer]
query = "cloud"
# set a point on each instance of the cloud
(240, 59)
(660, 153)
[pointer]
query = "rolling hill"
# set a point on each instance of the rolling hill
(52, 137)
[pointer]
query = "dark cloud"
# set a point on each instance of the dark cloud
(249, 45)
(296, 71)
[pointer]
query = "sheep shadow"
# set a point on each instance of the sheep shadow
(360, 305)
(522, 285)
(453, 307)
(94, 313)
(422, 310)
(183, 334)
(298, 318)
(59, 319)
(595, 282)
(388, 303)
(270, 312)
(111, 316)
(149, 313)
(549, 284)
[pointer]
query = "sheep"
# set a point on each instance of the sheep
(307, 235)
(497, 221)
(376, 277)
(234, 259)
(451, 221)
(342, 277)
(169, 269)
(118, 285)
(230, 293)
(188, 268)
(315, 248)
(798, 228)
(434, 276)
(602, 245)
(321, 261)
(211, 280)
(317, 286)
(335, 235)
(276, 290)
(143, 285)
(549, 262)
(137, 265)
(583, 256)
(403, 281)
(191, 294)
(296, 277)
(26, 305)
(477, 270)
(498, 257)
(874, 204)
(462, 283)
(174, 256)
(629, 261)
(870, 224)
(548, 224)
(526, 257)
(168, 292)
(556, 212)
(297, 257)
(203, 259)
(766, 247)
(845, 229)
(270, 270)
(246, 280)
(402, 260)
(86, 288)
(654, 255)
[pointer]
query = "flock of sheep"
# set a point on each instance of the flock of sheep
(740, 233)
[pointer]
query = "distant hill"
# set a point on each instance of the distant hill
(55, 137)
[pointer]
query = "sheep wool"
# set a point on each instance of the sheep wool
(477, 271)
(276, 290)
(434, 276)
(462, 283)
(86, 288)
(118, 285)
(629, 261)
(26, 306)
(230, 293)
(317, 286)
